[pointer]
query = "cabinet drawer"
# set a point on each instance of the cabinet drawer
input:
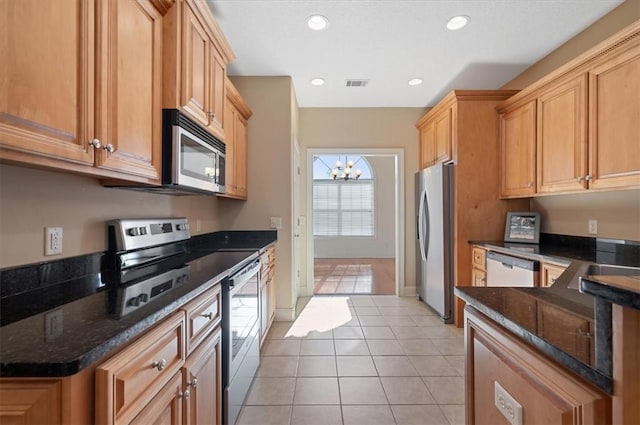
(130, 380)
(550, 273)
(203, 314)
(479, 258)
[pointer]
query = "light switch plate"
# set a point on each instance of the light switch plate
(507, 405)
(276, 222)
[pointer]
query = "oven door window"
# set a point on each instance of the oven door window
(197, 161)
(244, 314)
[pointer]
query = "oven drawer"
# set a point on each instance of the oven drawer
(130, 380)
(203, 315)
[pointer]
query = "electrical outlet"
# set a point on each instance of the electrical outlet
(53, 240)
(507, 405)
(53, 324)
(593, 227)
(276, 222)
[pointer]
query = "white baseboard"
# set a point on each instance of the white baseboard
(285, 314)
(409, 291)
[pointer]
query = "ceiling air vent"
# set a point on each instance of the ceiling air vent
(356, 83)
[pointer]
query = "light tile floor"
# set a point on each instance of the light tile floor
(359, 360)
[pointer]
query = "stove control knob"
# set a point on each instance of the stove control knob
(133, 302)
(143, 230)
(143, 298)
(133, 231)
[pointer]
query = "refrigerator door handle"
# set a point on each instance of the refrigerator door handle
(427, 225)
(421, 221)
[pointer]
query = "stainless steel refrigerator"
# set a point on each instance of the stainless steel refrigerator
(434, 238)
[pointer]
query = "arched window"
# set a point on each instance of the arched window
(342, 207)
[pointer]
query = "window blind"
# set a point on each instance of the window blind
(343, 208)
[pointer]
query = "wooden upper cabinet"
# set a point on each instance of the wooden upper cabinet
(47, 80)
(236, 116)
(443, 136)
(427, 145)
(194, 73)
(587, 122)
(614, 120)
(518, 151)
(129, 116)
(194, 95)
(435, 137)
(84, 92)
(562, 142)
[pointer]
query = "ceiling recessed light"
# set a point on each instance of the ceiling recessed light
(317, 22)
(457, 22)
(317, 81)
(415, 81)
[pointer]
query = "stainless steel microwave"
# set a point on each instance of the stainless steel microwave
(193, 160)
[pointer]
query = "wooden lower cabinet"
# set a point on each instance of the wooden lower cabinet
(549, 273)
(267, 292)
(30, 402)
(500, 366)
(202, 378)
(166, 406)
(478, 266)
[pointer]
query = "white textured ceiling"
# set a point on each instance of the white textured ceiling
(390, 41)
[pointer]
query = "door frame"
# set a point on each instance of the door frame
(398, 155)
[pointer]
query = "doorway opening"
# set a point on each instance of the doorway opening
(354, 215)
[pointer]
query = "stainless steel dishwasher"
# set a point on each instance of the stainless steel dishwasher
(505, 270)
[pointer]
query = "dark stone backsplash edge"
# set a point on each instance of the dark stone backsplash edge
(25, 278)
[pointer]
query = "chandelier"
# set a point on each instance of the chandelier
(345, 171)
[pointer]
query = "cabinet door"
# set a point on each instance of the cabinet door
(216, 92)
(518, 151)
(614, 122)
(240, 160)
(427, 145)
(230, 120)
(478, 277)
(271, 289)
(166, 407)
(562, 142)
(264, 311)
(195, 68)
(203, 379)
(47, 79)
(554, 325)
(129, 71)
(443, 136)
(33, 402)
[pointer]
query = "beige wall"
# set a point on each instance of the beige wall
(269, 155)
(375, 128)
(380, 245)
(32, 199)
(618, 213)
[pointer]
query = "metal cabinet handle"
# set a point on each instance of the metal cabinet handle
(552, 280)
(579, 178)
(160, 364)
(109, 148)
(530, 184)
(95, 143)
(208, 315)
(193, 383)
(588, 177)
(185, 395)
(212, 115)
(584, 333)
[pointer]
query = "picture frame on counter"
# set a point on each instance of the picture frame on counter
(522, 227)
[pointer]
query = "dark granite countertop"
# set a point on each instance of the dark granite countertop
(570, 326)
(559, 325)
(78, 290)
(622, 290)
